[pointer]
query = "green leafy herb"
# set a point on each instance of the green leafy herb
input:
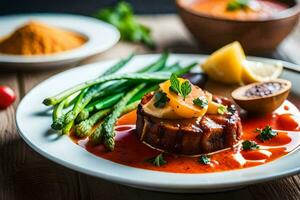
(204, 159)
(222, 109)
(183, 89)
(249, 145)
(200, 102)
(266, 134)
(161, 99)
(234, 5)
(231, 109)
(122, 17)
(175, 84)
(186, 88)
(157, 160)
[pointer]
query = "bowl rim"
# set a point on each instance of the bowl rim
(289, 12)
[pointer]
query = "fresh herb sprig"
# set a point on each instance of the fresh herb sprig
(157, 160)
(161, 99)
(266, 133)
(234, 5)
(204, 159)
(122, 17)
(200, 102)
(183, 89)
(249, 145)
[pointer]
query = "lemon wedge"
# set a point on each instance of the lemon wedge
(226, 64)
(260, 72)
(229, 65)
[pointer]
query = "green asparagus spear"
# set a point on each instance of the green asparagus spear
(85, 127)
(139, 77)
(109, 123)
(98, 105)
(96, 137)
(141, 93)
(58, 116)
(66, 129)
(83, 115)
(130, 107)
(108, 102)
(71, 99)
(68, 123)
(70, 116)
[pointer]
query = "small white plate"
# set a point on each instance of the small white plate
(101, 36)
(34, 127)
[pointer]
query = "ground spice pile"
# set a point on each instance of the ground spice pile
(35, 38)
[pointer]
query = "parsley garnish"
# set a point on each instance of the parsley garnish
(222, 109)
(231, 109)
(200, 102)
(249, 145)
(157, 160)
(183, 89)
(237, 4)
(203, 159)
(161, 99)
(266, 134)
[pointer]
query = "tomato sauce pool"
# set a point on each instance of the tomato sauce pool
(132, 152)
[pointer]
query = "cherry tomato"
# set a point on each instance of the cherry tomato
(7, 96)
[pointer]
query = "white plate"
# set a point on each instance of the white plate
(101, 36)
(34, 127)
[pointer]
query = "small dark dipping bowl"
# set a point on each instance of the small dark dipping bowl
(258, 36)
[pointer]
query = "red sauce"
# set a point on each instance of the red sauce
(131, 152)
(218, 8)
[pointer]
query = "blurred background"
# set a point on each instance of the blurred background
(84, 7)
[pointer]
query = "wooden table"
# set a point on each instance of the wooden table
(24, 174)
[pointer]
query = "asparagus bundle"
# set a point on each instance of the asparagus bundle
(95, 105)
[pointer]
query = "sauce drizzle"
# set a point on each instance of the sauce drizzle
(131, 152)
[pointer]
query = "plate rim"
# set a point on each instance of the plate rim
(65, 56)
(166, 186)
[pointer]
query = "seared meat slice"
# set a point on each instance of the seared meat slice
(189, 136)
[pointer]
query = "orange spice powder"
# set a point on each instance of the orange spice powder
(35, 38)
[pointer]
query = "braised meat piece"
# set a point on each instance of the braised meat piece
(189, 136)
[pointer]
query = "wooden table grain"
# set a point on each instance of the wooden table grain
(24, 174)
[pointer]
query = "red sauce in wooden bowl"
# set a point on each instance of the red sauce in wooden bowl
(218, 8)
(132, 152)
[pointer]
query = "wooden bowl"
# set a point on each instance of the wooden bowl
(258, 36)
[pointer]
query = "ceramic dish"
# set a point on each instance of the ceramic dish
(100, 37)
(33, 123)
(256, 35)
